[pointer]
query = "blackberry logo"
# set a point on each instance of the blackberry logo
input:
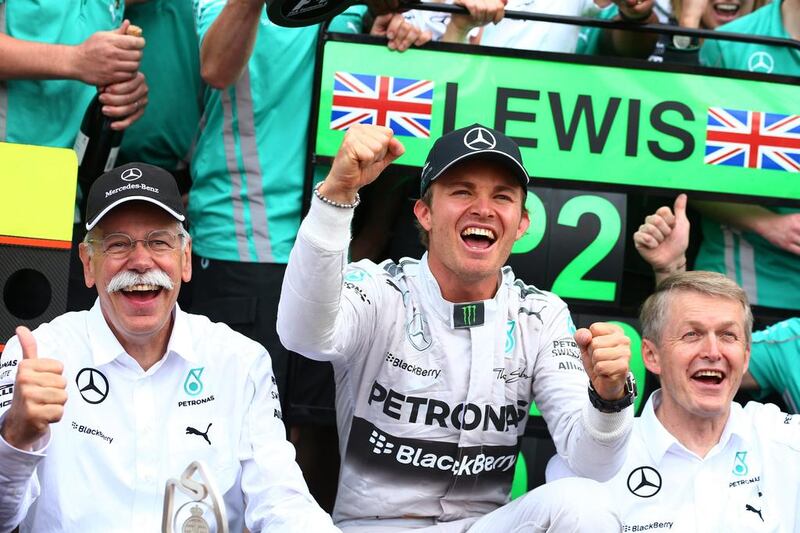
(379, 443)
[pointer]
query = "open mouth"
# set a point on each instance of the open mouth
(727, 10)
(709, 377)
(478, 238)
(142, 292)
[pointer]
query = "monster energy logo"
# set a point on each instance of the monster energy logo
(468, 315)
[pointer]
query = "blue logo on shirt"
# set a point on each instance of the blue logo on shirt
(510, 326)
(193, 386)
(739, 465)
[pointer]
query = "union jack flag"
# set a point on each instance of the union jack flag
(752, 139)
(402, 104)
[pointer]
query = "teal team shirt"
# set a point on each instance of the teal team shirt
(163, 135)
(49, 112)
(775, 361)
(249, 162)
(770, 276)
(766, 21)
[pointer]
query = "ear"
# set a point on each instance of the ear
(88, 266)
(524, 222)
(746, 360)
(423, 213)
(651, 357)
(186, 268)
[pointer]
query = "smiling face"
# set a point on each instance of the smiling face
(137, 310)
(721, 12)
(474, 218)
(701, 356)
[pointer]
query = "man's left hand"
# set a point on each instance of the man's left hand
(606, 355)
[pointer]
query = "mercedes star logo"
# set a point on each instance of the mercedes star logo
(761, 62)
(479, 139)
(131, 174)
(92, 385)
(644, 482)
(418, 334)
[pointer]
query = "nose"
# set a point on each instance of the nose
(140, 258)
(482, 206)
(711, 347)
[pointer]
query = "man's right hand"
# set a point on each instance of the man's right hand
(107, 57)
(664, 237)
(40, 392)
(364, 153)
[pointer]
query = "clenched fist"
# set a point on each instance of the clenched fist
(606, 356)
(40, 392)
(364, 153)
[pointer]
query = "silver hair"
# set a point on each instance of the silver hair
(653, 315)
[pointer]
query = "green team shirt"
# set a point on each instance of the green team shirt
(766, 21)
(49, 112)
(770, 276)
(249, 162)
(775, 361)
(163, 135)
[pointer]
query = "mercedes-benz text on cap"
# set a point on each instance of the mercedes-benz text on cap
(134, 181)
(472, 142)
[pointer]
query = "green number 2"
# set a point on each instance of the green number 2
(570, 282)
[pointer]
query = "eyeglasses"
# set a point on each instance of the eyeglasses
(120, 245)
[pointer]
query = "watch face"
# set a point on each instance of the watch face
(681, 42)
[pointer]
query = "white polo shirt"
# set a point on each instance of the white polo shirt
(125, 432)
(749, 481)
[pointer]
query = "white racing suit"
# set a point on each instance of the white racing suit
(432, 397)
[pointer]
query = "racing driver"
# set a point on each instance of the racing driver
(437, 360)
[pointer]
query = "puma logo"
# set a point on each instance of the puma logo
(752, 509)
(192, 431)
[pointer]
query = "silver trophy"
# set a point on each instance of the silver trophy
(193, 514)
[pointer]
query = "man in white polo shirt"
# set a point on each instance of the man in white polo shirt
(697, 461)
(102, 407)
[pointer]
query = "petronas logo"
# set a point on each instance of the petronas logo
(193, 385)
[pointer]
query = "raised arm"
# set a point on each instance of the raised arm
(312, 311)
(593, 443)
(227, 45)
(38, 394)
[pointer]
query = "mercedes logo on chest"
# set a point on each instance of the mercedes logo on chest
(644, 482)
(479, 139)
(761, 62)
(131, 174)
(92, 385)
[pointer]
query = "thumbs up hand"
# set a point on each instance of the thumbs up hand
(663, 239)
(40, 392)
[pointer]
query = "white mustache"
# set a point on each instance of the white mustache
(128, 278)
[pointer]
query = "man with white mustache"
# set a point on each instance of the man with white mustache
(99, 408)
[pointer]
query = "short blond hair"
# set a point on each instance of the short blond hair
(653, 315)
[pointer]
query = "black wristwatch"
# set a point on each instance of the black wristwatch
(615, 406)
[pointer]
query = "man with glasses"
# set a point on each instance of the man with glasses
(98, 409)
